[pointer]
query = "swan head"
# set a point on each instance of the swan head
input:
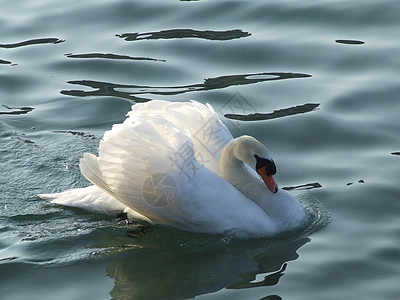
(256, 156)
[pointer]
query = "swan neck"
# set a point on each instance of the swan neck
(283, 210)
(238, 173)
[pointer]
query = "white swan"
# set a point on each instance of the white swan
(176, 164)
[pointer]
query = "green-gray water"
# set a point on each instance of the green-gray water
(316, 81)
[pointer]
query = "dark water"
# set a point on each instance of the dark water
(315, 81)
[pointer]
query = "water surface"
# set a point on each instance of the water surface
(317, 82)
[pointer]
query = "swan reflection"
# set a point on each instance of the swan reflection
(185, 271)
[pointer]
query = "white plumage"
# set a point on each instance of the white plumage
(170, 163)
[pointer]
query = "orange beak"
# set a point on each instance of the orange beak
(268, 180)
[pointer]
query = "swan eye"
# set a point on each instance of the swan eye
(269, 163)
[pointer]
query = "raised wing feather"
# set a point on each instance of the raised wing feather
(152, 161)
(208, 134)
(141, 162)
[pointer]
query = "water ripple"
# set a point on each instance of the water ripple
(5, 62)
(350, 42)
(221, 82)
(111, 56)
(300, 109)
(32, 42)
(308, 186)
(15, 110)
(185, 33)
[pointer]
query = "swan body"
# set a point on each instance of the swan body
(176, 164)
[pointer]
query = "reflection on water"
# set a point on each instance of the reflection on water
(350, 42)
(269, 280)
(5, 62)
(185, 33)
(79, 133)
(115, 90)
(32, 42)
(271, 297)
(300, 109)
(308, 186)
(28, 43)
(172, 264)
(8, 110)
(185, 272)
(110, 56)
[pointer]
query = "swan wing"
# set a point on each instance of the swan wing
(208, 134)
(138, 160)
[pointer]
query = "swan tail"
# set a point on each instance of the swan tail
(90, 169)
(90, 198)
